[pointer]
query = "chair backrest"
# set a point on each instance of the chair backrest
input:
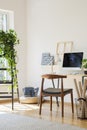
(52, 77)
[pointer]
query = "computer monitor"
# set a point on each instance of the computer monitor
(72, 60)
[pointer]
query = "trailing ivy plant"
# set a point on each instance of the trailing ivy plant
(8, 41)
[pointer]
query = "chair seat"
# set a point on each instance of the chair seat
(56, 90)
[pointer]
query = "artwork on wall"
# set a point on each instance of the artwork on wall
(62, 47)
(47, 59)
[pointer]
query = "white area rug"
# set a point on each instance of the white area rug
(18, 122)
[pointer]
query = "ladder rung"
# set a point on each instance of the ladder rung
(5, 96)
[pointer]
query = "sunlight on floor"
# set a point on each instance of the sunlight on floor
(18, 107)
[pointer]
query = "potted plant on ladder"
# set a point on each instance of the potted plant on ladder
(8, 41)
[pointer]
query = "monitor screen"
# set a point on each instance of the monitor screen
(73, 59)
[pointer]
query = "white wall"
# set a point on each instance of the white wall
(51, 21)
(19, 8)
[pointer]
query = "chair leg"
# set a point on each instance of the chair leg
(40, 105)
(50, 103)
(57, 102)
(72, 102)
(62, 105)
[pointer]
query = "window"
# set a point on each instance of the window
(3, 21)
(6, 22)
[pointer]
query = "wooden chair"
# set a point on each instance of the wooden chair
(55, 92)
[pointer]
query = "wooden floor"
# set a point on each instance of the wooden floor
(32, 110)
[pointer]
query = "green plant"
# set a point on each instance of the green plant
(84, 63)
(8, 41)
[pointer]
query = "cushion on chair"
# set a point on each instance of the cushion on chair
(55, 90)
